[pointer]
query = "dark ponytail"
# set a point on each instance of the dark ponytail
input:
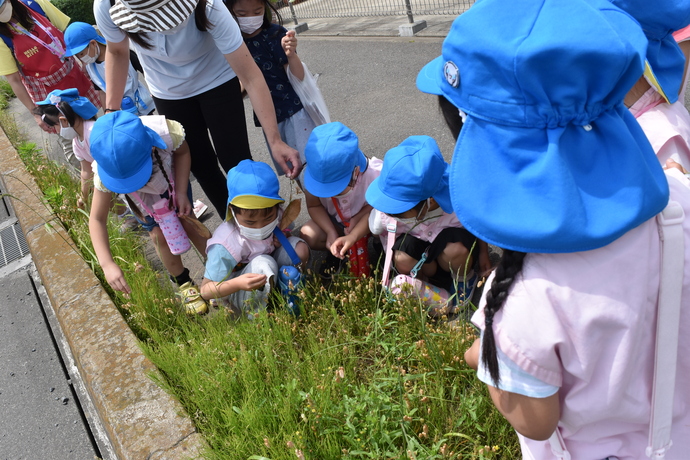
(506, 272)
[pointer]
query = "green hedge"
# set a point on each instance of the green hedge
(77, 10)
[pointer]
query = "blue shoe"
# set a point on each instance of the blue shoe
(289, 282)
(465, 289)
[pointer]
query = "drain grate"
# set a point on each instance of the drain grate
(12, 244)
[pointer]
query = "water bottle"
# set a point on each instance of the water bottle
(289, 281)
(172, 229)
(362, 253)
(430, 295)
(129, 106)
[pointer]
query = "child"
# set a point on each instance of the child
(336, 177)
(569, 317)
(82, 41)
(148, 159)
(413, 190)
(242, 256)
(274, 49)
(75, 115)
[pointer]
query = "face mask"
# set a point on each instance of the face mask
(177, 28)
(256, 234)
(433, 215)
(408, 221)
(88, 59)
(6, 12)
(68, 133)
(250, 24)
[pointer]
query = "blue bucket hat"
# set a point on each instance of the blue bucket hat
(665, 60)
(81, 105)
(331, 154)
(121, 146)
(548, 160)
(77, 37)
(253, 185)
(412, 172)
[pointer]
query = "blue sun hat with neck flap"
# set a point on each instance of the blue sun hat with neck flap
(412, 172)
(81, 105)
(665, 61)
(564, 165)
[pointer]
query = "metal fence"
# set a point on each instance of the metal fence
(310, 9)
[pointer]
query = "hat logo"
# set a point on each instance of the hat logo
(452, 74)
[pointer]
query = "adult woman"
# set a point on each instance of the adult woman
(31, 57)
(185, 48)
(572, 188)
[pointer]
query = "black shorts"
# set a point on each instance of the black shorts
(415, 248)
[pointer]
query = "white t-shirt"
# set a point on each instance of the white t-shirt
(187, 63)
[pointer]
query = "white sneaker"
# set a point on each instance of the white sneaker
(199, 208)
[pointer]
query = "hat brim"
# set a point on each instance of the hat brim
(160, 19)
(556, 190)
(380, 200)
(429, 77)
(330, 189)
(131, 183)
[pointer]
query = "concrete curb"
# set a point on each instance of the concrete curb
(141, 420)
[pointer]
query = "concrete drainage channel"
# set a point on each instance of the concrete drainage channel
(73, 380)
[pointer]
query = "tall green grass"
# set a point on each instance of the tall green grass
(358, 375)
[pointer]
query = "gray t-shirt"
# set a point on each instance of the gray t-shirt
(188, 62)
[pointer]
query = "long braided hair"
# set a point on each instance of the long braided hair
(135, 209)
(506, 272)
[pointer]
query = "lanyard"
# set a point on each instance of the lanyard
(54, 47)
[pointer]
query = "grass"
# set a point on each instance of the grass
(357, 376)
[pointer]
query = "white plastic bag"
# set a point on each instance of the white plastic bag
(310, 95)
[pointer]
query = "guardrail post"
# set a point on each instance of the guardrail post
(408, 7)
(298, 28)
(292, 11)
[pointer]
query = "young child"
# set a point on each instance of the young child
(413, 190)
(274, 49)
(147, 159)
(336, 177)
(243, 257)
(569, 317)
(82, 41)
(75, 116)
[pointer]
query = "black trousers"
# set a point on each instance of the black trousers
(220, 112)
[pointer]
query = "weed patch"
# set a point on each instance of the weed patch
(358, 375)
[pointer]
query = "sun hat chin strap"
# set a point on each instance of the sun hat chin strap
(667, 323)
(670, 222)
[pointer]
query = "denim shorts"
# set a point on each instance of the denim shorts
(148, 223)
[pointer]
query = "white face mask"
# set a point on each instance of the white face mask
(250, 24)
(68, 133)
(6, 12)
(87, 58)
(177, 28)
(256, 234)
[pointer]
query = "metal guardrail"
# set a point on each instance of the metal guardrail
(311, 9)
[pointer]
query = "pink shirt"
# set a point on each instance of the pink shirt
(586, 322)
(354, 201)
(82, 151)
(426, 231)
(240, 248)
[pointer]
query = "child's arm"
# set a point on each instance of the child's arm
(86, 176)
(484, 261)
(98, 229)
(319, 215)
(247, 282)
(340, 246)
(534, 418)
(289, 44)
(182, 160)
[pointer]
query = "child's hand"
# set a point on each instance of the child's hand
(80, 203)
(472, 355)
(672, 164)
(250, 281)
(183, 204)
(340, 247)
(484, 263)
(289, 43)
(116, 279)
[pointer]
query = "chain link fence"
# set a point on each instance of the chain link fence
(311, 9)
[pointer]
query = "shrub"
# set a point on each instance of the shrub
(77, 10)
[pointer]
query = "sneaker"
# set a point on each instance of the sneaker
(465, 289)
(199, 208)
(191, 299)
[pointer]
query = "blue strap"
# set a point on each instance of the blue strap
(288, 247)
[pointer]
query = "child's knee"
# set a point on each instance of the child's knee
(302, 250)
(454, 255)
(403, 262)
